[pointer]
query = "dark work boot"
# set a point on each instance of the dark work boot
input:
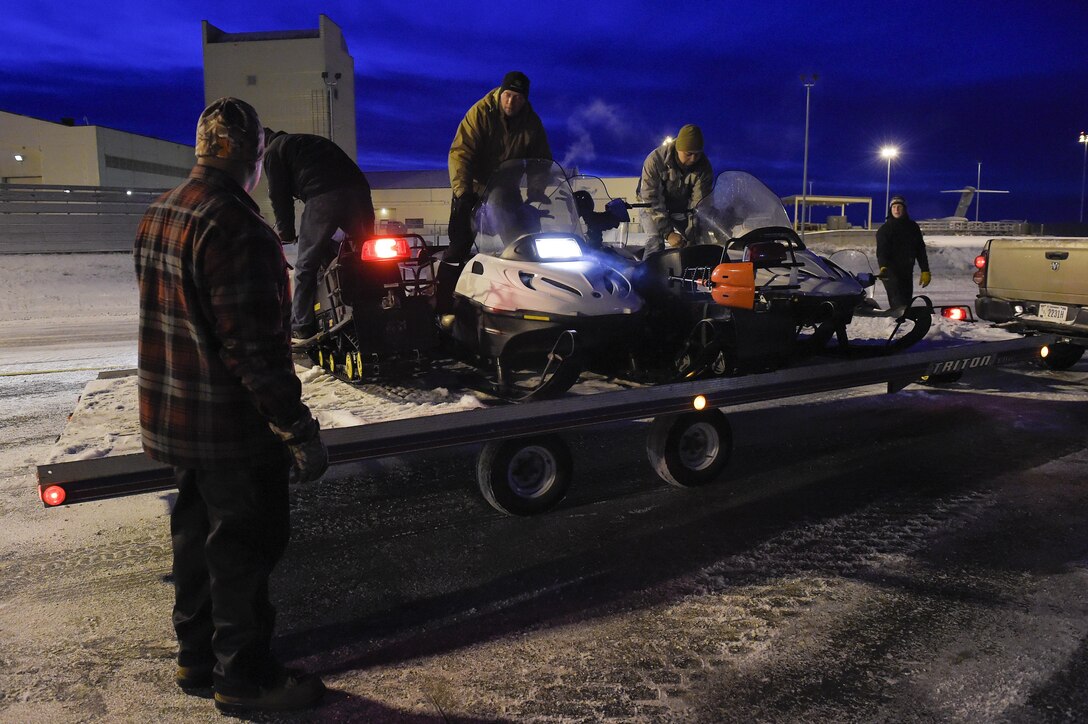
(290, 691)
(190, 678)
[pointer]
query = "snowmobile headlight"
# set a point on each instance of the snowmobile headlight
(385, 248)
(557, 248)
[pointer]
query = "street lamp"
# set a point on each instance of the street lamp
(888, 152)
(808, 81)
(1084, 166)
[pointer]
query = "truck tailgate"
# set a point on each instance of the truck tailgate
(1052, 270)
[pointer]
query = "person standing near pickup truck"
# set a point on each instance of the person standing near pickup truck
(899, 245)
(220, 402)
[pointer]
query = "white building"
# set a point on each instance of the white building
(300, 81)
(34, 151)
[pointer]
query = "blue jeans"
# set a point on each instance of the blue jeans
(349, 209)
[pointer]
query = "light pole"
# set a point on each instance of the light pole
(978, 186)
(1084, 166)
(888, 152)
(330, 88)
(808, 81)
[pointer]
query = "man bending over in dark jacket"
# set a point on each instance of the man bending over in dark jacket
(336, 195)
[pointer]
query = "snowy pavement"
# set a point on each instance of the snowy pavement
(914, 557)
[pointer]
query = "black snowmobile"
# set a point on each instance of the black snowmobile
(747, 296)
(374, 310)
(526, 306)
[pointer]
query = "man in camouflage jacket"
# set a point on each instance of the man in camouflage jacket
(675, 178)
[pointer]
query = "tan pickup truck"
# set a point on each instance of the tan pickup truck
(1037, 284)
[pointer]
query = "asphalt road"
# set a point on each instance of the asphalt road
(910, 557)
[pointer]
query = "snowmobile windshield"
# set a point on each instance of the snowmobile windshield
(739, 203)
(525, 196)
(605, 218)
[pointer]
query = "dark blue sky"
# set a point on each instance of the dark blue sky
(951, 83)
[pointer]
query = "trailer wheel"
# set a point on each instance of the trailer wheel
(1062, 356)
(524, 476)
(690, 449)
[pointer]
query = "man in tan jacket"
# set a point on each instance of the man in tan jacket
(500, 126)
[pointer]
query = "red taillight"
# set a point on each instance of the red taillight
(385, 248)
(957, 313)
(979, 277)
(53, 495)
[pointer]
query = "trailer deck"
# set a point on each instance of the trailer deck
(525, 467)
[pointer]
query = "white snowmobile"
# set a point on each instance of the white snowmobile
(535, 300)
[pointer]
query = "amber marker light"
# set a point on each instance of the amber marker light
(699, 403)
(53, 495)
(1044, 352)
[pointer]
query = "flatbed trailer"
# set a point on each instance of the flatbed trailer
(525, 467)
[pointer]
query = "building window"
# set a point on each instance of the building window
(159, 169)
(414, 223)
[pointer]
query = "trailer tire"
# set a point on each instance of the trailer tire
(690, 449)
(524, 476)
(1063, 355)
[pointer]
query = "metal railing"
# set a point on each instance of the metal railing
(956, 226)
(37, 218)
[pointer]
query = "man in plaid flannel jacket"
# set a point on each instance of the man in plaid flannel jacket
(220, 402)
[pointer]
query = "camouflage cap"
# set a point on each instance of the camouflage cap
(230, 129)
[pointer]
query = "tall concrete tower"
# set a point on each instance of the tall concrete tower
(300, 81)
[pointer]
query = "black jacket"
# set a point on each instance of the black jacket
(899, 244)
(301, 166)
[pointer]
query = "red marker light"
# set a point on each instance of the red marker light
(386, 248)
(956, 313)
(54, 495)
(980, 261)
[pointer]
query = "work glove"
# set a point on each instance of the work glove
(288, 237)
(310, 458)
(675, 240)
(463, 204)
(925, 279)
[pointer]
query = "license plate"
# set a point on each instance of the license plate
(1053, 312)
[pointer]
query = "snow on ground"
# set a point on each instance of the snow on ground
(98, 292)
